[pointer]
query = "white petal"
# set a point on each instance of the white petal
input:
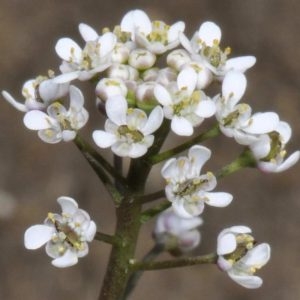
(19, 106)
(175, 29)
(261, 123)
(181, 126)
(162, 95)
(76, 98)
(258, 256)
(289, 162)
(37, 235)
(87, 32)
(107, 43)
(37, 120)
(104, 139)
(186, 44)
(247, 281)
(91, 231)
(116, 109)
(209, 32)
(262, 147)
(226, 244)
(218, 199)
(241, 63)
(66, 77)
(68, 50)
(136, 19)
(234, 85)
(67, 260)
(137, 150)
(68, 135)
(240, 229)
(198, 156)
(206, 109)
(154, 120)
(68, 205)
(285, 131)
(187, 79)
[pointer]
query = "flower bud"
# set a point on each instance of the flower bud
(123, 72)
(108, 87)
(177, 58)
(120, 54)
(141, 59)
(145, 96)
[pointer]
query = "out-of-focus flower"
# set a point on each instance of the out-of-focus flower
(59, 123)
(184, 105)
(270, 152)
(187, 189)
(235, 118)
(128, 131)
(65, 235)
(177, 235)
(85, 63)
(39, 93)
(156, 36)
(240, 257)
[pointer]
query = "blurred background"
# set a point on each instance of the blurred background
(33, 174)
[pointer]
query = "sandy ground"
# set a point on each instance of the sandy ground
(34, 174)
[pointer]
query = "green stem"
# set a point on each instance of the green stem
(152, 212)
(98, 161)
(150, 256)
(106, 238)
(151, 197)
(176, 263)
(214, 131)
(245, 159)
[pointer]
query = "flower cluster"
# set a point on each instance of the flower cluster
(148, 76)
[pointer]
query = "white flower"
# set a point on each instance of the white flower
(58, 123)
(178, 235)
(141, 59)
(65, 235)
(156, 36)
(85, 63)
(187, 189)
(240, 257)
(184, 105)
(269, 150)
(235, 119)
(38, 94)
(128, 131)
(205, 48)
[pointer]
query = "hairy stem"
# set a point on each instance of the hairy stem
(175, 263)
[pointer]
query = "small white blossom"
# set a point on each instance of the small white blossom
(270, 152)
(184, 105)
(204, 48)
(178, 235)
(156, 36)
(59, 123)
(38, 94)
(128, 131)
(187, 189)
(65, 235)
(240, 257)
(235, 118)
(85, 63)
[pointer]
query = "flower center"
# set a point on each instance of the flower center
(276, 147)
(186, 102)
(190, 186)
(215, 55)
(245, 242)
(130, 134)
(159, 32)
